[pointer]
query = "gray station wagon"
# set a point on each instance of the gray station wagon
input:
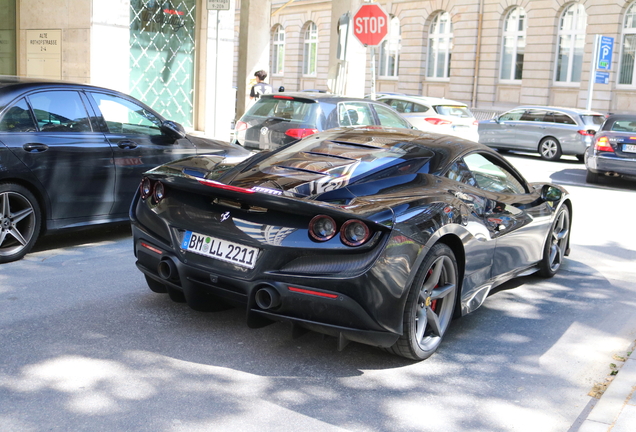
(551, 131)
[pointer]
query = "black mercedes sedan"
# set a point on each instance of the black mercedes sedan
(374, 235)
(71, 155)
(613, 153)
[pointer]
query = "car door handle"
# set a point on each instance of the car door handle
(35, 147)
(127, 144)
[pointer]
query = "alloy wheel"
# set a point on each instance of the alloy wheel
(17, 223)
(559, 240)
(434, 309)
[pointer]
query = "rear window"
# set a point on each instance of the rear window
(592, 119)
(453, 111)
(288, 109)
(624, 126)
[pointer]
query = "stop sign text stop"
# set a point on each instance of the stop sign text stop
(370, 24)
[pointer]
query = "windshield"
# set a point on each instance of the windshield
(593, 119)
(453, 111)
(288, 109)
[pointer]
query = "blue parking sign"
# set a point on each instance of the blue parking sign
(605, 53)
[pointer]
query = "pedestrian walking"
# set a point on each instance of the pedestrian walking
(261, 87)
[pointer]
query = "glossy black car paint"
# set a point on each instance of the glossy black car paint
(393, 180)
(615, 163)
(88, 177)
(268, 133)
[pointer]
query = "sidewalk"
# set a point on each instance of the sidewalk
(616, 410)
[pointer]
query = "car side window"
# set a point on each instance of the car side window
(125, 117)
(18, 118)
(389, 118)
(459, 172)
(355, 114)
(60, 111)
(563, 118)
(491, 176)
(417, 108)
(511, 115)
(534, 115)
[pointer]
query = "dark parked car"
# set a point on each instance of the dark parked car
(373, 235)
(284, 118)
(550, 131)
(71, 155)
(614, 150)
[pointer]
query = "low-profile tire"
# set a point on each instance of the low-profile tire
(556, 244)
(592, 177)
(430, 305)
(550, 149)
(156, 286)
(20, 221)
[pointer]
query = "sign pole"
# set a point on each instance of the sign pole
(372, 73)
(590, 89)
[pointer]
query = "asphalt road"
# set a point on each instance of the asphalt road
(86, 346)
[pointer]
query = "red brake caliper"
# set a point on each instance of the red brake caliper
(434, 302)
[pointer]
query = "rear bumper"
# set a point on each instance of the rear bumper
(604, 164)
(308, 302)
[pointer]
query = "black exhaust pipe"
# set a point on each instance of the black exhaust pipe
(167, 269)
(267, 298)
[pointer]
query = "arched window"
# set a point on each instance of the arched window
(571, 44)
(628, 50)
(390, 50)
(514, 45)
(440, 45)
(310, 57)
(278, 50)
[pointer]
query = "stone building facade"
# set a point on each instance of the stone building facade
(491, 54)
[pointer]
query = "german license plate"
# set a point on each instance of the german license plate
(223, 250)
(629, 148)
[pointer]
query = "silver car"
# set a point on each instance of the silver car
(551, 131)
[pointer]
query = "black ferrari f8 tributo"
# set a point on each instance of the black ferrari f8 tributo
(378, 236)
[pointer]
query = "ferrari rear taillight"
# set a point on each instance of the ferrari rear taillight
(322, 228)
(354, 232)
(300, 133)
(437, 121)
(159, 192)
(145, 189)
(602, 144)
(148, 188)
(240, 126)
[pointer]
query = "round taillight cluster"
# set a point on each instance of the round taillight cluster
(156, 189)
(352, 233)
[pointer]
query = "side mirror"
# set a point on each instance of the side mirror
(592, 132)
(173, 129)
(551, 193)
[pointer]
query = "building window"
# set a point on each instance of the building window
(514, 45)
(440, 45)
(390, 50)
(310, 57)
(626, 69)
(278, 50)
(571, 44)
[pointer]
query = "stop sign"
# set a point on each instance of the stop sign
(370, 24)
